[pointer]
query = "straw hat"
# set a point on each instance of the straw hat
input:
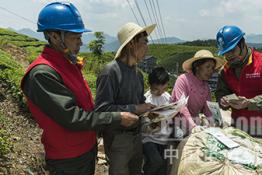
(128, 31)
(201, 54)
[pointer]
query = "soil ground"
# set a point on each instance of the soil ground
(27, 155)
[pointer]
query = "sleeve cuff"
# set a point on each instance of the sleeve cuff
(252, 105)
(116, 118)
(132, 108)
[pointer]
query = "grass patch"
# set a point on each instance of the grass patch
(5, 138)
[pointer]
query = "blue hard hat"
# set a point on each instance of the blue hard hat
(60, 16)
(227, 38)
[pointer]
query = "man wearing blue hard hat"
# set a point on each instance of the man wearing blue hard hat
(239, 84)
(59, 97)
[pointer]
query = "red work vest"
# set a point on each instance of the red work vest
(59, 142)
(248, 85)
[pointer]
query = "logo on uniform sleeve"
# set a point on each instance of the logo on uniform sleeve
(253, 75)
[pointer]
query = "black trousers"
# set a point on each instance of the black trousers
(155, 163)
(82, 165)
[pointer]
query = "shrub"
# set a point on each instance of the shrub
(11, 73)
(5, 138)
(5, 142)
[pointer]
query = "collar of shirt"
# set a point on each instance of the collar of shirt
(196, 80)
(243, 63)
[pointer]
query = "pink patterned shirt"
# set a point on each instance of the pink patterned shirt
(198, 92)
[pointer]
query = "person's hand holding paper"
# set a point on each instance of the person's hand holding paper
(234, 101)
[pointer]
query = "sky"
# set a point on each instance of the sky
(185, 19)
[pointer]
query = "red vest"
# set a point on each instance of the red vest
(59, 142)
(248, 85)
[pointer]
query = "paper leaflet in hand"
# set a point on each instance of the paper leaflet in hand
(216, 114)
(166, 112)
(232, 98)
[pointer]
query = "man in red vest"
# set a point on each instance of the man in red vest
(241, 75)
(59, 98)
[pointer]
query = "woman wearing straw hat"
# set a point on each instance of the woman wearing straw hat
(120, 87)
(194, 84)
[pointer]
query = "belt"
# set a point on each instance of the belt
(133, 131)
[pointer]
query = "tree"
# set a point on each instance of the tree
(96, 46)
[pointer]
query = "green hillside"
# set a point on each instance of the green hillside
(17, 51)
(171, 57)
(31, 46)
(163, 51)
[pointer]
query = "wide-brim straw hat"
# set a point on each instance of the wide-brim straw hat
(201, 54)
(128, 31)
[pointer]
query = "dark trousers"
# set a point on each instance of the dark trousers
(155, 164)
(82, 165)
(124, 153)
